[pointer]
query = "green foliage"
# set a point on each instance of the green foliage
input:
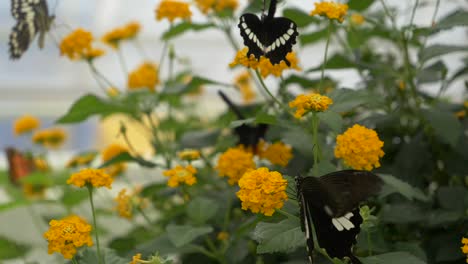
(181, 235)
(284, 236)
(11, 249)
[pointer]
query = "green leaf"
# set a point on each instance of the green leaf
(184, 27)
(265, 118)
(394, 184)
(392, 258)
(90, 105)
(442, 218)
(457, 18)
(414, 248)
(309, 38)
(359, 5)
(445, 125)
(126, 157)
(199, 139)
(433, 73)
(439, 50)
(10, 249)
(284, 236)
(332, 119)
(453, 198)
(401, 213)
(301, 18)
(302, 81)
(346, 99)
(202, 209)
(89, 256)
(38, 179)
(161, 244)
(181, 235)
(72, 196)
(337, 61)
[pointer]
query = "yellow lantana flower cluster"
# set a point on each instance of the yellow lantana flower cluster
(465, 247)
(25, 124)
(127, 203)
(263, 64)
(173, 9)
(357, 19)
(277, 153)
(222, 236)
(360, 148)
(180, 175)
(331, 10)
(68, 234)
(94, 177)
(136, 259)
(145, 76)
(310, 102)
(52, 137)
(207, 6)
(77, 46)
(128, 31)
(111, 152)
(262, 191)
(83, 159)
(189, 154)
(234, 163)
(244, 82)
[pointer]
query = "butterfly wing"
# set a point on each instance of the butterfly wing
(281, 35)
(19, 165)
(249, 136)
(251, 29)
(20, 37)
(42, 20)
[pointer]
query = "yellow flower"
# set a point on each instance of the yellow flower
(222, 5)
(244, 82)
(460, 114)
(222, 236)
(111, 152)
(180, 175)
(263, 64)
(52, 137)
(136, 259)
(93, 53)
(83, 159)
(76, 44)
(262, 191)
(189, 154)
(68, 234)
(331, 10)
(129, 31)
(25, 124)
(234, 163)
(112, 92)
(465, 247)
(128, 203)
(173, 9)
(277, 153)
(94, 177)
(41, 164)
(360, 148)
(205, 6)
(311, 102)
(357, 19)
(145, 76)
(465, 104)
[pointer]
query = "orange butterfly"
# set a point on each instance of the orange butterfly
(20, 165)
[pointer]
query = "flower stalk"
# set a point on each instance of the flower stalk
(93, 211)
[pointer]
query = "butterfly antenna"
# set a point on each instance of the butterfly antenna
(272, 9)
(231, 105)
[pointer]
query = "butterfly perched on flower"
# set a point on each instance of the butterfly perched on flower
(32, 18)
(331, 204)
(19, 165)
(249, 136)
(272, 37)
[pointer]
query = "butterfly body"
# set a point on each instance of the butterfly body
(331, 204)
(272, 37)
(32, 18)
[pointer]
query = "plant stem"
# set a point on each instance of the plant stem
(265, 88)
(144, 216)
(122, 63)
(100, 75)
(90, 190)
(413, 13)
(74, 261)
(315, 124)
(322, 75)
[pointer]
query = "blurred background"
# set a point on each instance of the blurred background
(44, 84)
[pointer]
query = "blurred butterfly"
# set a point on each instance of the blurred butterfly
(249, 136)
(19, 165)
(32, 18)
(331, 204)
(272, 37)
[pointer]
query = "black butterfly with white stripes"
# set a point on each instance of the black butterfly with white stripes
(32, 18)
(331, 204)
(272, 37)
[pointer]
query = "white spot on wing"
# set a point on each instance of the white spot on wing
(244, 25)
(337, 224)
(286, 36)
(277, 43)
(282, 40)
(290, 32)
(327, 210)
(251, 35)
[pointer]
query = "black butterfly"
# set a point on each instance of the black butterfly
(272, 37)
(249, 136)
(32, 17)
(331, 203)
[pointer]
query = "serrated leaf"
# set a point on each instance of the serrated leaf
(202, 209)
(359, 5)
(332, 119)
(445, 125)
(403, 188)
(284, 236)
(90, 105)
(181, 235)
(301, 18)
(439, 50)
(392, 258)
(184, 27)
